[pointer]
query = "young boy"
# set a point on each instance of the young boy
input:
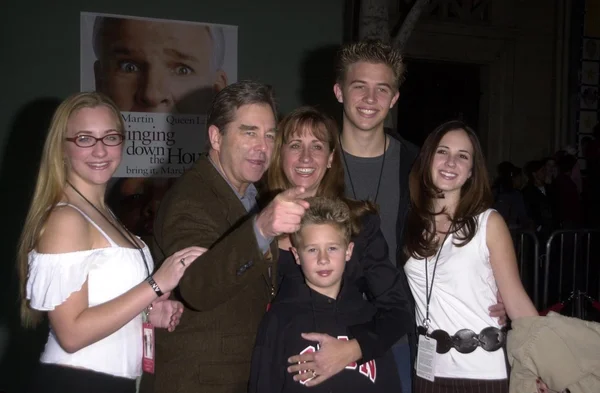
(322, 304)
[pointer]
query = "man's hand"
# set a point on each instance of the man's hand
(332, 357)
(283, 214)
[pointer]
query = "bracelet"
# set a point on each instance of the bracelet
(154, 286)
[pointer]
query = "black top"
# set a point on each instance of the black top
(408, 155)
(298, 309)
(369, 272)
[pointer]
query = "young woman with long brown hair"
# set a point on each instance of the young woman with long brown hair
(460, 253)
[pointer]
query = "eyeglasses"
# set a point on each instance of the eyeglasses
(90, 141)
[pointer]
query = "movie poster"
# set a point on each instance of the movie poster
(162, 74)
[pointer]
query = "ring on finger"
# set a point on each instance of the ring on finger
(314, 373)
(182, 261)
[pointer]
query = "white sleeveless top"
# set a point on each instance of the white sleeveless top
(110, 272)
(463, 289)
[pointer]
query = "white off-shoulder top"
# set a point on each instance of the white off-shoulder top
(110, 272)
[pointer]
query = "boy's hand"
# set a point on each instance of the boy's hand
(498, 310)
(332, 357)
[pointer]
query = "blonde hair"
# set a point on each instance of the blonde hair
(370, 51)
(50, 185)
(332, 211)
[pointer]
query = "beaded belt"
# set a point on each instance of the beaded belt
(466, 341)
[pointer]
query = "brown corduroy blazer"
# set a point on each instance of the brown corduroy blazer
(225, 291)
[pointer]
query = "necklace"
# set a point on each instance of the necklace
(380, 170)
(128, 236)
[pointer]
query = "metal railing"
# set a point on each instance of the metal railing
(565, 270)
(569, 268)
(527, 248)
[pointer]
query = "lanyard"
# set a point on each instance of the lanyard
(429, 291)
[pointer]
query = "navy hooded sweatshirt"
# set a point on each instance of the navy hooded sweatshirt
(298, 309)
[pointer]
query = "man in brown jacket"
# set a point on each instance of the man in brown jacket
(227, 290)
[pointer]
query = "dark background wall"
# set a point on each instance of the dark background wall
(283, 43)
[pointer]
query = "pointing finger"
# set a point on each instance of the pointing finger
(293, 193)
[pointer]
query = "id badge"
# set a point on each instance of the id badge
(148, 347)
(426, 358)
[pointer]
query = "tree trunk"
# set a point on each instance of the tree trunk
(374, 20)
(399, 41)
(409, 23)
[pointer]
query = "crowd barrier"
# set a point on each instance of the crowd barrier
(529, 261)
(564, 274)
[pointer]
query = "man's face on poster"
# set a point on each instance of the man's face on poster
(147, 66)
